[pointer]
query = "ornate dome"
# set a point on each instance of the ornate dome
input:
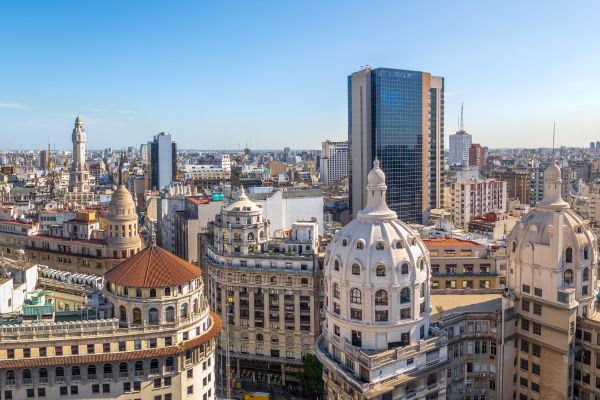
(243, 203)
(553, 249)
(377, 275)
(120, 199)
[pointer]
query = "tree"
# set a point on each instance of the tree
(311, 378)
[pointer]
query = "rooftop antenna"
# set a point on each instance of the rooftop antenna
(553, 136)
(462, 124)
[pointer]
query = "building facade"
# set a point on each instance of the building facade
(397, 117)
(162, 160)
(334, 162)
(266, 291)
(477, 198)
(460, 144)
(376, 341)
(154, 338)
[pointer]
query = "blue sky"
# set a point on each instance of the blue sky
(223, 74)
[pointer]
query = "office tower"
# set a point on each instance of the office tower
(475, 198)
(163, 161)
(460, 145)
(334, 162)
(79, 176)
(44, 159)
(397, 116)
(477, 155)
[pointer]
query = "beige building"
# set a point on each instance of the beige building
(265, 290)
(81, 244)
(154, 339)
(475, 198)
(465, 266)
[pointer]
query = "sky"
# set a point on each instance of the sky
(226, 74)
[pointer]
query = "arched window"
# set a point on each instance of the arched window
(195, 306)
(59, 372)
(10, 375)
(404, 269)
(137, 316)
(251, 236)
(183, 310)
(380, 271)
(154, 363)
(75, 370)
(569, 255)
(568, 277)
(123, 370)
(243, 278)
(26, 374)
(153, 316)
(139, 366)
(273, 279)
(237, 236)
(360, 245)
(123, 313)
(170, 314)
(336, 265)
(379, 246)
(43, 372)
(91, 370)
(344, 243)
(398, 244)
(259, 337)
(586, 253)
(586, 274)
(355, 269)
(514, 246)
(167, 291)
(405, 295)
(355, 296)
(107, 369)
(381, 298)
(257, 279)
(152, 293)
(336, 291)
(421, 264)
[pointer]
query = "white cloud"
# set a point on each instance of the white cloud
(14, 106)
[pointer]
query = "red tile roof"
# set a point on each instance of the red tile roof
(449, 242)
(151, 268)
(120, 356)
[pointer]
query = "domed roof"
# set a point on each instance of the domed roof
(121, 198)
(153, 267)
(243, 203)
(552, 172)
(376, 177)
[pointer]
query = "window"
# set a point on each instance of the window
(525, 324)
(535, 368)
(122, 346)
(355, 269)
(106, 388)
(126, 387)
(58, 350)
(524, 346)
(568, 277)
(536, 349)
(137, 316)
(526, 289)
(41, 392)
(63, 390)
(537, 308)
(586, 253)
(170, 314)
(379, 246)
(356, 314)
(190, 390)
(74, 349)
(381, 298)
(586, 274)
(75, 390)
(380, 271)
(404, 269)
(90, 349)
(405, 295)
(336, 291)
(336, 265)
(153, 316)
(537, 291)
(355, 296)
(525, 305)
(569, 255)
(152, 293)
(514, 247)
(360, 244)
(524, 365)
(30, 393)
(535, 387)
(537, 328)
(106, 347)
(336, 330)
(381, 315)
(10, 353)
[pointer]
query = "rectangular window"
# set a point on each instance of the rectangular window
(537, 328)
(190, 390)
(535, 368)
(157, 383)
(524, 365)
(42, 352)
(10, 353)
(126, 387)
(525, 324)
(90, 349)
(106, 347)
(75, 349)
(536, 350)
(336, 330)
(75, 390)
(106, 388)
(30, 393)
(525, 305)
(526, 288)
(524, 346)
(356, 314)
(537, 291)
(96, 388)
(537, 308)
(122, 346)
(524, 382)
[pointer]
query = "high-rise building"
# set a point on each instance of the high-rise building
(397, 116)
(44, 159)
(477, 198)
(79, 176)
(334, 162)
(163, 161)
(460, 143)
(477, 155)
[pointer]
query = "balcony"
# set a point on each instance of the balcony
(139, 373)
(27, 381)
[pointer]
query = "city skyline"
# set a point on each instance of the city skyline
(217, 79)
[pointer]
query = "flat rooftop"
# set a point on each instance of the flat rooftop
(462, 303)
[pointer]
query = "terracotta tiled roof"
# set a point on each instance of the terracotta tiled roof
(120, 356)
(449, 242)
(153, 267)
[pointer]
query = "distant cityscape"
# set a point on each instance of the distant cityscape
(382, 266)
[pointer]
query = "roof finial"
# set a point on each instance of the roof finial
(462, 122)
(376, 163)
(152, 236)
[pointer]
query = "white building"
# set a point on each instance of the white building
(163, 160)
(460, 143)
(474, 198)
(226, 162)
(284, 207)
(79, 176)
(334, 161)
(377, 305)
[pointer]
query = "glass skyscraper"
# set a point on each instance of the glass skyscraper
(397, 116)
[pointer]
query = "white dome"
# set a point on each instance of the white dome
(377, 277)
(243, 203)
(376, 177)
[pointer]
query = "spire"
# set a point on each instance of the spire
(78, 119)
(377, 208)
(462, 122)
